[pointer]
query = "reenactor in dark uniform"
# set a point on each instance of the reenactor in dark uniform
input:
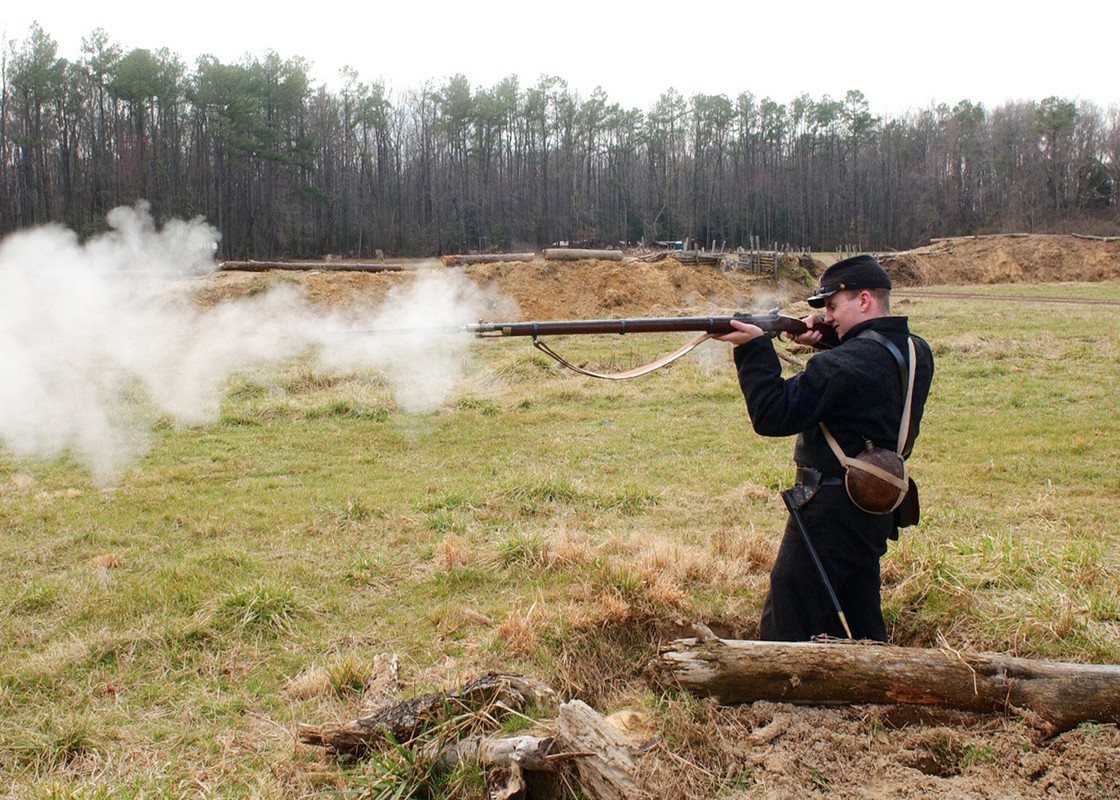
(826, 577)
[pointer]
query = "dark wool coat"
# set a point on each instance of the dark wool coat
(853, 388)
(856, 390)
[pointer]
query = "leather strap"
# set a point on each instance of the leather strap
(637, 372)
(905, 441)
(902, 483)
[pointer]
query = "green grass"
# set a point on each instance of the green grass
(153, 630)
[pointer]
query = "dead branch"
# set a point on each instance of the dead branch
(525, 752)
(405, 720)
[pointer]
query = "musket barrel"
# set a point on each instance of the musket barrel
(717, 325)
(773, 323)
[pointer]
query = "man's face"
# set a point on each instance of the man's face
(844, 310)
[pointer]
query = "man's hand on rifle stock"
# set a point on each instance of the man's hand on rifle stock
(745, 332)
(818, 330)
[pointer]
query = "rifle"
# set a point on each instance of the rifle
(772, 323)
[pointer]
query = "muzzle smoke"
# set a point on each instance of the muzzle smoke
(98, 340)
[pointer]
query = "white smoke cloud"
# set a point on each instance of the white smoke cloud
(421, 368)
(96, 342)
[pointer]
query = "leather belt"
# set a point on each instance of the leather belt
(812, 478)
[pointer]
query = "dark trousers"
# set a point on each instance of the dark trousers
(849, 543)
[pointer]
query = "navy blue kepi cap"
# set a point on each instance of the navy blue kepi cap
(857, 272)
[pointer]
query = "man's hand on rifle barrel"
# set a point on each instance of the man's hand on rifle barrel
(744, 332)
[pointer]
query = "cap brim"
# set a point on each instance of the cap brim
(818, 298)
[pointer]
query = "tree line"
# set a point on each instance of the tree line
(282, 167)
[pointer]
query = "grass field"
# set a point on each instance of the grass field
(163, 636)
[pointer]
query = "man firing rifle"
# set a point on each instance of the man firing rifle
(867, 392)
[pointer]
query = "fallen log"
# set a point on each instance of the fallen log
(403, 721)
(486, 258)
(979, 236)
(306, 266)
(575, 254)
(1057, 696)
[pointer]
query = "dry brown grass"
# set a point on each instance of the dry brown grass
(169, 634)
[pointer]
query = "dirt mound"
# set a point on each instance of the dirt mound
(585, 289)
(337, 289)
(594, 289)
(542, 289)
(1007, 259)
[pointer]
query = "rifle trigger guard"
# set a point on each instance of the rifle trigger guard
(637, 372)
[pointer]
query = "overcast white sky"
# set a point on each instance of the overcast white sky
(900, 55)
